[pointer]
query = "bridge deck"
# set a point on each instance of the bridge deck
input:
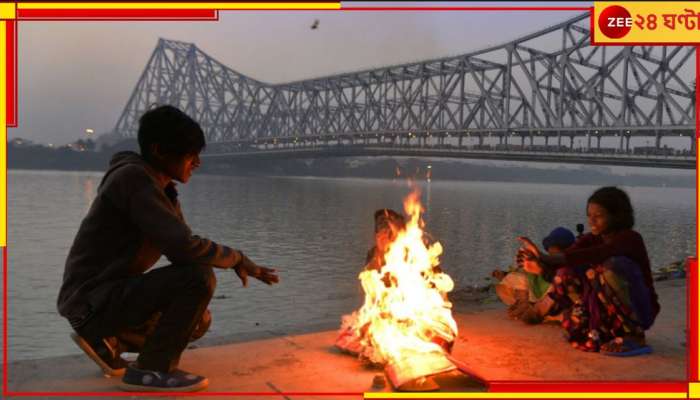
(619, 159)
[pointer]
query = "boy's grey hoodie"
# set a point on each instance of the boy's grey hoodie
(134, 219)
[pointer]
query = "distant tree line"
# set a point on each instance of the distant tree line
(81, 155)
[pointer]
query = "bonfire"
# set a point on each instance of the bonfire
(405, 323)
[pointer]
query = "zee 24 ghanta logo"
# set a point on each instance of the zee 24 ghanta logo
(616, 22)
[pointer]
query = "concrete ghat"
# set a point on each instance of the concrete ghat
(491, 344)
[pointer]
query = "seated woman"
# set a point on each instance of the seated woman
(602, 283)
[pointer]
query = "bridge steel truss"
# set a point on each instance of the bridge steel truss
(550, 84)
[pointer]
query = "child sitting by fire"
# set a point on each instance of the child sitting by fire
(526, 293)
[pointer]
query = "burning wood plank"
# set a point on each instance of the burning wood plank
(416, 366)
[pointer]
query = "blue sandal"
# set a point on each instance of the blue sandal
(624, 347)
(141, 380)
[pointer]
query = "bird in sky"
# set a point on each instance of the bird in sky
(315, 24)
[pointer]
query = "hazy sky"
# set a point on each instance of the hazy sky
(78, 75)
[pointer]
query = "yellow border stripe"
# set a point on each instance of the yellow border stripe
(3, 140)
(7, 11)
(477, 395)
(190, 6)
(693, 390)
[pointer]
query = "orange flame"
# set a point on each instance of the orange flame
(406, 317)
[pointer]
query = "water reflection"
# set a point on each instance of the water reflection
(315, 231)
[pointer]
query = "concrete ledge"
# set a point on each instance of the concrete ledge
(495, 347)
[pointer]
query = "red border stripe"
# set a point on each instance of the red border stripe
(120, 14)
(692, 340)
(11, 73)
(591, 18)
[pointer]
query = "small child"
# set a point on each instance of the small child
(526, 293)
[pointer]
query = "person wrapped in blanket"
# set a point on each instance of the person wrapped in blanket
(603, 282)
(387, 224)
(525, 293)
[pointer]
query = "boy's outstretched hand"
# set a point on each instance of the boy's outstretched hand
(246, 267)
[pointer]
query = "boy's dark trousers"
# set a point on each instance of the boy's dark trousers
(164, 305)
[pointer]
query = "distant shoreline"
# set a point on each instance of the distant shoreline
(443, 171)
(23, 155)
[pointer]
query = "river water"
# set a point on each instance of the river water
(316, 232)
